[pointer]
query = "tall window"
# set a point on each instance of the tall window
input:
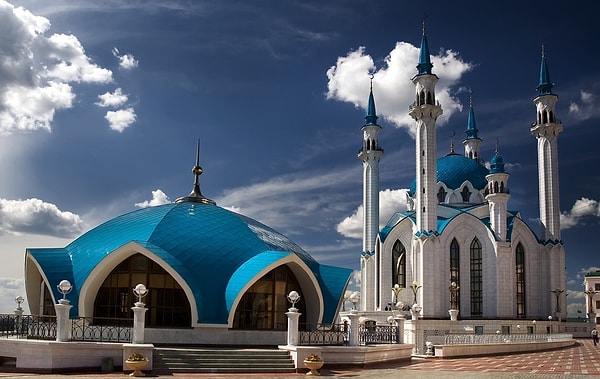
(166, 301)
(520, 267)
(264, 304)
(476, 279)
(455, 272)
(399, 264)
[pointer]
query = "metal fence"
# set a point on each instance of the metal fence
(378, 334)
(97, 329)
(332, 334)
(101, 329)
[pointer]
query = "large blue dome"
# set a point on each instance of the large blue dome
(454, 169)
(206, 244)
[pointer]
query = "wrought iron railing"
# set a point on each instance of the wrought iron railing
(378, 334)
(101, 329)
(28, 326)
(331, 334)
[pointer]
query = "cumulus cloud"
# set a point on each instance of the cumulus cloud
(586, 108)
(37, 70)
(349, 82)
(34, 216)
(158, 198)
(121, 119)
(114, 99)
(582, 208)
(390, 201)
(126, 61)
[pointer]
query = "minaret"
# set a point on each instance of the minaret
(472, 141)
(196, 195)
(546, 129)
(498, 195)
(370, 154)
(425, 111)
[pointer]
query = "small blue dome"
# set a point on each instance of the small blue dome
(454, 169)
(496, 164)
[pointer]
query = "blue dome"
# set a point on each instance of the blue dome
(454, 169)
(204, 243)
(496, 164)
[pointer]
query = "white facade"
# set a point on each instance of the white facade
(457, 227)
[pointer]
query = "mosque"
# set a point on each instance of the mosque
(213, 276)
(458, 248)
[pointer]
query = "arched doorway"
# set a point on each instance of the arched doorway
(166, 301)
(265, 303)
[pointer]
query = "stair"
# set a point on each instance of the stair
(221, 360)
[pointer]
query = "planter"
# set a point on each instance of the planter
(313, 366)
(137, 367)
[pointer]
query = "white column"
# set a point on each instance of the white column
(63, 329)
(354, 329)
(139, 321)
(292, 329)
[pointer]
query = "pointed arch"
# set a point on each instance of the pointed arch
(455, 270)
(398, 264)
(476, 271)
(520, 275)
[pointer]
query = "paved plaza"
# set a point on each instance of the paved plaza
(579, 361)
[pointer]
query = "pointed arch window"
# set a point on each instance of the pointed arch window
(466, 194)
(455, 269)
(520, 271)
(399, 264)
(476, 265)
(441, 195)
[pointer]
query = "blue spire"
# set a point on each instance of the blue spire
(471, 124)
(424, 66)
(545, 86)
(371, 117)
(497, 163)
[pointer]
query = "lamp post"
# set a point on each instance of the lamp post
(557, 292)
(396, 289)
(62, 312)
(590, 311)
(534, 326)
(293, 316)
(139, 311)
(19, 300)
(415, 288)
(550, 319)
(354, 299)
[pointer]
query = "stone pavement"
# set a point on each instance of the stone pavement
(578, 362)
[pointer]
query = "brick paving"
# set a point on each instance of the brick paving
(581, 361)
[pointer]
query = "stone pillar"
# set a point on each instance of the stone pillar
(63, 329)
(139, 322)
(400, 328)
(292, 329)
(354, 329)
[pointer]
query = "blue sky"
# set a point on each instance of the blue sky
(102, 103)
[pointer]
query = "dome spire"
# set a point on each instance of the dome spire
(196, 195)
(545, 85)
(371, 117)
(424, 66)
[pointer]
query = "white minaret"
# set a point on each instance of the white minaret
(472, 141)
(370, 154)
(546, 129)
(498, 195)
(425, 112)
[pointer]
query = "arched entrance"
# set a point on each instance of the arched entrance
(265, 303)
(166, 301)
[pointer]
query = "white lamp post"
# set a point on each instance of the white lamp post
(64, 287)
(550, 319)
(140, 291)
(354, 299)
(139, 312)
(63, 307)
(293, 316)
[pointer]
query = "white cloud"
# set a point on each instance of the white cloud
(34, 216)
(121, 119)
(36, 70)
(113, 99)
(587, 108)
(158, 198)
(126, 61)
(390, 202)
(349, 82)
(582, 208)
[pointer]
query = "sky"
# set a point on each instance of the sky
(102, 104)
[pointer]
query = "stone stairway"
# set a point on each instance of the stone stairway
(221, 360)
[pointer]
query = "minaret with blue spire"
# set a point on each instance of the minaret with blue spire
(370, 155)
(472, 141)
(546, 129)
(425, 111)
(497, 195)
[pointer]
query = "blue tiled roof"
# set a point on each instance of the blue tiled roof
(454, 169)
(204, 243)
